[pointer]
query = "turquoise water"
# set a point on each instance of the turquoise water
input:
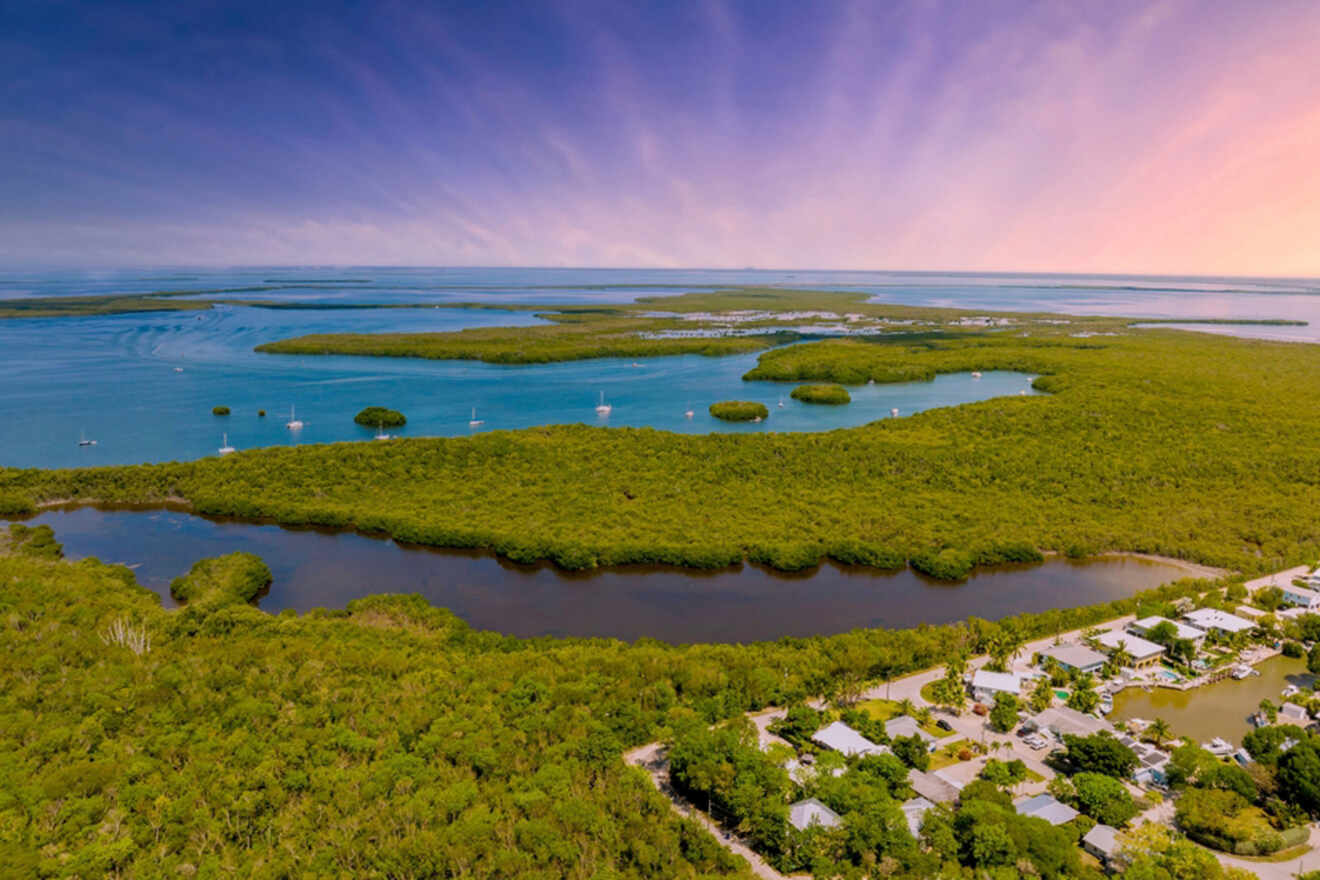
(143, 385)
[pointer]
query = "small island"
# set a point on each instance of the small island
(739, 410)
(834, 395)
(219, 410)
(380, 417)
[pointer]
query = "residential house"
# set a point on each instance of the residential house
(1045, 806)
(1291, 713)
(906, 726)
(1078, 657)
(1152, 763)
(1144, 653)
(803, 814)
(986, 685)
(932, 786)
(1313, 579)
(1060, 720)
(1301, 597)
(1214, 620)
(1143, 627)
(915, 811)
(1102, 842)
(848, 742)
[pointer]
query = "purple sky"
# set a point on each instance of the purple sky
(1069, 136)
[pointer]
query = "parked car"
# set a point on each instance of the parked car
(943, 725)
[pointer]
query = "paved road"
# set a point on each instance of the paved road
(1278, 579)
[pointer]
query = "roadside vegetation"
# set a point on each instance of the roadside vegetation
(834, 395)
(739, 410)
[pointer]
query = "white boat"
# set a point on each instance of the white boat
(894, 412)
(756, 419)
(178, 369)
(976, 374)
(226, 449)
(1219, 747)
(688, 413)
(293, 424)
(603, 408)
(474, 421)
(781, 401)
(1290, 690)
(1242, 671)
(83, 441)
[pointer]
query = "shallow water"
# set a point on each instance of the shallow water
(325, 569)
(1219, 709)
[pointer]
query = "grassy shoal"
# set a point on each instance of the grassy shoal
(1189, 445)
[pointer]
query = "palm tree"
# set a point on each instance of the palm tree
(1158, 732)
(906, 706)
(1121, 656)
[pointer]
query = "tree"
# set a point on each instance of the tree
(1313, 659)
(1004, 713)
(1042, 695)
(1157, 732)
(1004, 774)
(1120, 656)
(1156, 852)
(1299, 776)
(949, 691)
(1104, 799)
(1097, 753)
(1269, 598)
(912, 750)
(1083, 697)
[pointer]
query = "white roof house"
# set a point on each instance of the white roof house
(1146, 624)
(1313, 579)
(1294, 713)
(1045, 806)
(915, 810)
(1301, 597)
(1248, 612)
(986, 684)
(1140, 649)
(932, 786)
(804, 814)
(1078, 657)
(1060, 720)
(1213, 618)
(1102, 842)
(843, 739)
(904, 726)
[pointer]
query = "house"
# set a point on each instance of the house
(1291, 713)
(932, 786)
(1151, 762)
(905, 726)
(1144, 654)
(915, 811)
(1301, 597)
(1045, 806)
(1253, 613)
(846, 741)
(1078, 657)
(1143, 627)
(1102, 842)
(986, 685)
(1060, 720)
(1212, 619)
(1313, 579)
(803, 814)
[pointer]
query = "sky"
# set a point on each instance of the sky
(1178, 137)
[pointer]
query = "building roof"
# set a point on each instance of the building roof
(1045, 806)
(845, 740)
(1103, 838)
(1007, 682)
(915, 810)
(1309, 597)
(1146, 624)
(810, 812)
(1249, 612)
(932, 787)
(1139, 648)
(1063, 720)
(1075, 656)
(1213, 618)
(906, 725)
(1293, 711)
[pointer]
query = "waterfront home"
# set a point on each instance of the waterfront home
(1243, 757)
(986, 685)
(1214, 620)
(1102, 842)
(932, 786)
(1151, 762)
(915, 810)
(803, 814)
(1078, 657)
(905, 726)
(1144, 653)
(846, 741)
(1301, 597)
(1060, 720)
(1291, 713)
(1047, 807)
(1143, 626)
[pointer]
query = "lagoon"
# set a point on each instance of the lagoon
(318, 568)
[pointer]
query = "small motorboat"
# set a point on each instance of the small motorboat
(83, 441)
(178, 369)
(976, 374)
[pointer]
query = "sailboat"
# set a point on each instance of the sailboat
(380, 432)
(688, 413)
(83, 441)
(894, 412)
(603, 408)
(226, 449)
(474, 421)
(781, 401)
(293, 424)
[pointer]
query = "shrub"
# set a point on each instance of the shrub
(944, 565)
(234, 577)
(380, 417)
(834, 395)
(739, 410)
(1292, 649)
(219, 410)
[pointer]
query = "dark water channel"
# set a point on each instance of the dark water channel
(314, 568)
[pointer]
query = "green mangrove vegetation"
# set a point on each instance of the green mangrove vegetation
(379, 416)
(388, 739)
(833, 395)
(1158, 441)
(739, 410)
(219, 410)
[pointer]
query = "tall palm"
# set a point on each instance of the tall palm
(906, 706)
(1121, 656)
(1158, 732)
